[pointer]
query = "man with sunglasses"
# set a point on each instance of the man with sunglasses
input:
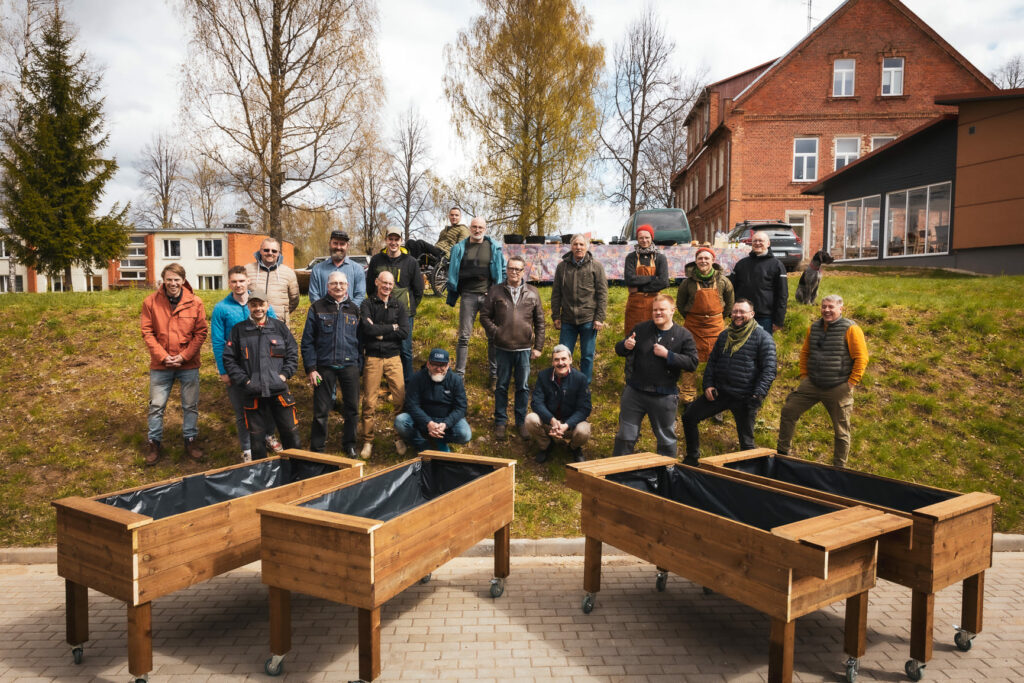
(275, 281)
(832, 363)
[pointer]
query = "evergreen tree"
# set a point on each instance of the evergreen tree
(51, 172)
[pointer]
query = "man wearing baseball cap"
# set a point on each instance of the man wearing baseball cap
(395, 259)
(338, 262)
(435, 408)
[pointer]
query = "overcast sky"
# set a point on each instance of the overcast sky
(140, 45)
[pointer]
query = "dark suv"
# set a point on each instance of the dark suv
(670, 227)
(786, 245)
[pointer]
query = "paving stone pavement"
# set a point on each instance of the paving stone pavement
(451, 629)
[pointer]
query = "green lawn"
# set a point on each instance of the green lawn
(941, 402)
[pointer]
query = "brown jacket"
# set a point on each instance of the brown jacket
(168, 333)
(513, 326)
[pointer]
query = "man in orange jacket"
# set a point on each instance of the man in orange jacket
(174, 329)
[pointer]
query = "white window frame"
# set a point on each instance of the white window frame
(721, 166)
(906, 217)
(4, 285)
(170, 246)
(19, 283)
(211, 282)
(847, 157)
(208, 248)
(892, 77)
(3, 249)
(863, 204)
(844, 77)
(875, 144)
(133, 265)
(804, 157)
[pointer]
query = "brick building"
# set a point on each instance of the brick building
(867, 74)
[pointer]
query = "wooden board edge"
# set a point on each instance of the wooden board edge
(334, 520)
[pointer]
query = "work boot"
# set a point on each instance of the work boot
(350, 452)
(577, 455)
(499, 431)
(544, 453)
(192, 449)
(153, 452)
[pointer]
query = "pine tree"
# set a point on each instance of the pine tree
(51, 172)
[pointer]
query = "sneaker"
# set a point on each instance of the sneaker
(400, 447)
(718, 418)
(367, 451)
(153, 453)
(247, 456)
(273, 444)
(577, 455)
(350, 452)
(192, 450)
(544, 453)
(499, 431)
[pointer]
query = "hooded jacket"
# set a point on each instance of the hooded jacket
(170, 332)
(408, 279)
(276, 282)
(762, 279)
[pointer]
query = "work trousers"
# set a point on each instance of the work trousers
(660, 410)
(390, 369)
(744, 411)
(469, 305)
(346, 380)
(262, 412)
(577, 437)
(838, 402)
(236, 395)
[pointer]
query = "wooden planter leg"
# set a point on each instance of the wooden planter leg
(922, 616)
(855, 637)
(780, 654)
(973, 603)
(592, 565)
(369, 643)
(140, 639)
(76, 600)
(280, 620)
(501, 552)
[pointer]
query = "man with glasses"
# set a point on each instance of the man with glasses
(383, 323)
(275, 281)
(761, 279)
(435, 408)
(339, 262)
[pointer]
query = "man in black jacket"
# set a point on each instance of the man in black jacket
(408, 285)
(561, 406)
(761, 279)
(260, 356)
(656, 351)
(435, 408)
(739, 373)
(383, 324)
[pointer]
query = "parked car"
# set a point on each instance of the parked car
(786, 244)
(302, 274)
(670, 227)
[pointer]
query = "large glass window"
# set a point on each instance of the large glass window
(918, 221)
(210, 249)
(842, 77)
(172, 248)
(847, 150)
(805, 159)
(854, 228)
(892, 76)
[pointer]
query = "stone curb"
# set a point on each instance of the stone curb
(521, 547)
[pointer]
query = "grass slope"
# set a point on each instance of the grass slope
(941, 402)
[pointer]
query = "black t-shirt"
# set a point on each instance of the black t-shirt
(475, 269)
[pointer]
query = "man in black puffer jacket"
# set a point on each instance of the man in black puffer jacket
(760, 278)
(260, 356)
(739, 373)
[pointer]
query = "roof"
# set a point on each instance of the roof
(980, 96)
(819, 186)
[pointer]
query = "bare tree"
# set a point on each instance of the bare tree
(309, 231)
(281, 89)
(645, 95)
(20, 21)
(666, 153)
(205, 188)
(367, 188)
(161, 168)
(1011, 74)
(409, 181)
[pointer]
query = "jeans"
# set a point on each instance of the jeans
(406, 352)
(588, 341)
(743, 408)
(660, 410)
(236, 395)
(406, 430)
(160, 383)
(262, 413)
(509, 363)
(765, 321)
(469, 306)
(347, 380)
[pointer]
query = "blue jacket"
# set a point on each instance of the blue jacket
(455, 262)
(226, 314)
(430, 401)
(331, 334)
(353, 271)
(571, 398)
(747, 373)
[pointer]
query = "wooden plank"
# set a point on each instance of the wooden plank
(140, 639)
(325, 458)
(855, 633)
(109, 550)
(961, 505)
(280, 602)
(91, 508)
(76, 609)
(592, 565)
(737, 456)
(622, 463)
(323, 518)
(962, 547)
(780, 653)
(288, 535)
(843, 528)
(369, 644)
(922, 620)
(502, 546)
(466, 457)
(851, 571)
(347, 565)
(973, 603)
(119, 587)
(196, 570)
(319, 584)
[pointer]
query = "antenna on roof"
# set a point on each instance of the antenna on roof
(809, 18)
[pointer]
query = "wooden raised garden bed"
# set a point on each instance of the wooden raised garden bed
(140, 544)
(364, 542)
(783, 554)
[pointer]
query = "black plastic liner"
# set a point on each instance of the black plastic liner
(725, 497)
(896, 495)
(200, 490)
(393, 493)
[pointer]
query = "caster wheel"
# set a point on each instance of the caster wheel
(588, 603)
(661, 581)
(963, 640)
(274, 665)
(143, 679)
(426, 579)
(77, 654)
(497, 588)
(914, 669)
(852, 665)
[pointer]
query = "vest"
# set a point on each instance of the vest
(829, 363)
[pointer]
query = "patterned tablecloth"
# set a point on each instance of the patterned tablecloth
(542, 259)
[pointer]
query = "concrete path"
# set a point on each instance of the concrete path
(450, 629)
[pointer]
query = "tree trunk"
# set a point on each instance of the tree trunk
(276, 172)
(68, 287)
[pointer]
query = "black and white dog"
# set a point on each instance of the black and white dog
(807, 290)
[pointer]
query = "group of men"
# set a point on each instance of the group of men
(352, 341)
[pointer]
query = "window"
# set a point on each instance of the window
(721, 166)
(842, 77)
(211, 282)
(172, 248)
(93, 283)
(917, 220)
(805, 159)
(210, 249)
(133, 265)
(57, 283)
(19, 283)
(881, 140)
(5, 285)
(3, 249)
(892, 76)
(847, 150)
(853, 230)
